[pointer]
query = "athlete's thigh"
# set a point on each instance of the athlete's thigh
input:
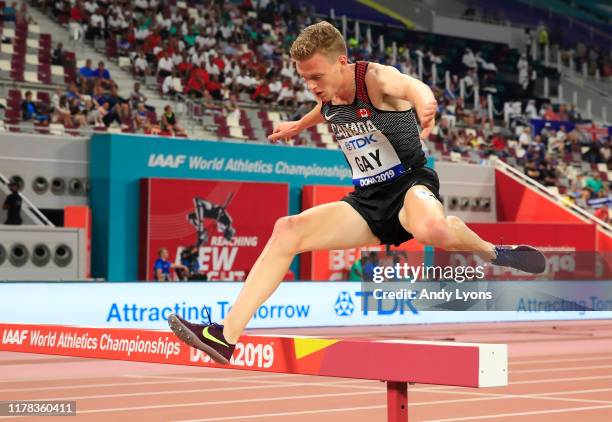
(335, 225)
(420, 206)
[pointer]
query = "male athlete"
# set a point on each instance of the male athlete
(205, 209)
(372, 110)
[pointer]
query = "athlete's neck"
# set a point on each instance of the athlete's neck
(347, 91)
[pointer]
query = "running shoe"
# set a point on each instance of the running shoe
(523, 257)
(205, 337)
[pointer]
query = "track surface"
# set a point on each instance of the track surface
(559, 371)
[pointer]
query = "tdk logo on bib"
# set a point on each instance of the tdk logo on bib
(353, 144)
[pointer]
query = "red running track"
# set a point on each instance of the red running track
(559, 371)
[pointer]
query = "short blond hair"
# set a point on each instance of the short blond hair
(321, 37)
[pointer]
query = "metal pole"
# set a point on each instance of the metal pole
(434, 74)
(397, 401)
(589, 110)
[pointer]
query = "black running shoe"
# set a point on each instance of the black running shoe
(205, 337)
(523, 257)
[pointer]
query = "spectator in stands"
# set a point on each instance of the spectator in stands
(550, 114)
(96, 27)
(542, 39)
(86, 77)
(169, 122)
(523, 72)
(530, 111)
(103, 75)
(61, 112)
(30, 111)
(213, 86)
(141, 118)
(162, 266)
(171, 84)
(286, 97)
(189, 259)
(469, 60)
(119, 109)
(574, 114)
(563, 114)
(136, 97)
(12, 205)
(165, 65)
(196, 85)
(594, 183)
(141, 66)
(9, 12)
(262, 94)
(58, 55)
(525, 137)
(356, 271)
(96, 114)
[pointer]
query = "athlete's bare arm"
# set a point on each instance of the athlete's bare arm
(287, 130)
(391, 90)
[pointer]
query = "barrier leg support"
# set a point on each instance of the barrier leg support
(397, 401)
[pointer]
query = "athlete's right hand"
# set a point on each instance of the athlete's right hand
(285, 131)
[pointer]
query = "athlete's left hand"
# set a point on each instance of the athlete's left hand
(427, 113)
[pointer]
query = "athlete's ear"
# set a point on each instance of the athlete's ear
(343, 60)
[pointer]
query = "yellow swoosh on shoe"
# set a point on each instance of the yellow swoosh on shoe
(210, 337)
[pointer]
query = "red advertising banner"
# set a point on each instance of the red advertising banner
(227, 223)
(336, 264)
(429, 362)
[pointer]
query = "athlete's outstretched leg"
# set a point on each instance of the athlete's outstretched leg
(330, 226)
(423, 216)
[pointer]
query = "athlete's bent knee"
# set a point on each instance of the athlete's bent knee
(433, 231)
(287, 233)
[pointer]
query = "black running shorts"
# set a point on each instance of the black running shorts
(380, 205)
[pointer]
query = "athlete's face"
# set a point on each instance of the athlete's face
(322, 74)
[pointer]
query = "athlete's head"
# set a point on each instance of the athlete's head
(321, 58)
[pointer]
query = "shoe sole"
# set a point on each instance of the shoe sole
(187, 336)
(533, 269)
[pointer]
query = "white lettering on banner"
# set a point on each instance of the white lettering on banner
(200, 163)
(306, 171)
(170, 160)
(37, 339)
(14, 337)
(250, 241)
(217, 259)
(248, 355)
(247, 166)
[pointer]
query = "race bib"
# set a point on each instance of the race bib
(372, 158)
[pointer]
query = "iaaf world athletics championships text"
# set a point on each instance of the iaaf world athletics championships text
(405, 272)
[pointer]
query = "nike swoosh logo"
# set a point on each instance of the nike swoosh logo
(210, 337)
(330, 116)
